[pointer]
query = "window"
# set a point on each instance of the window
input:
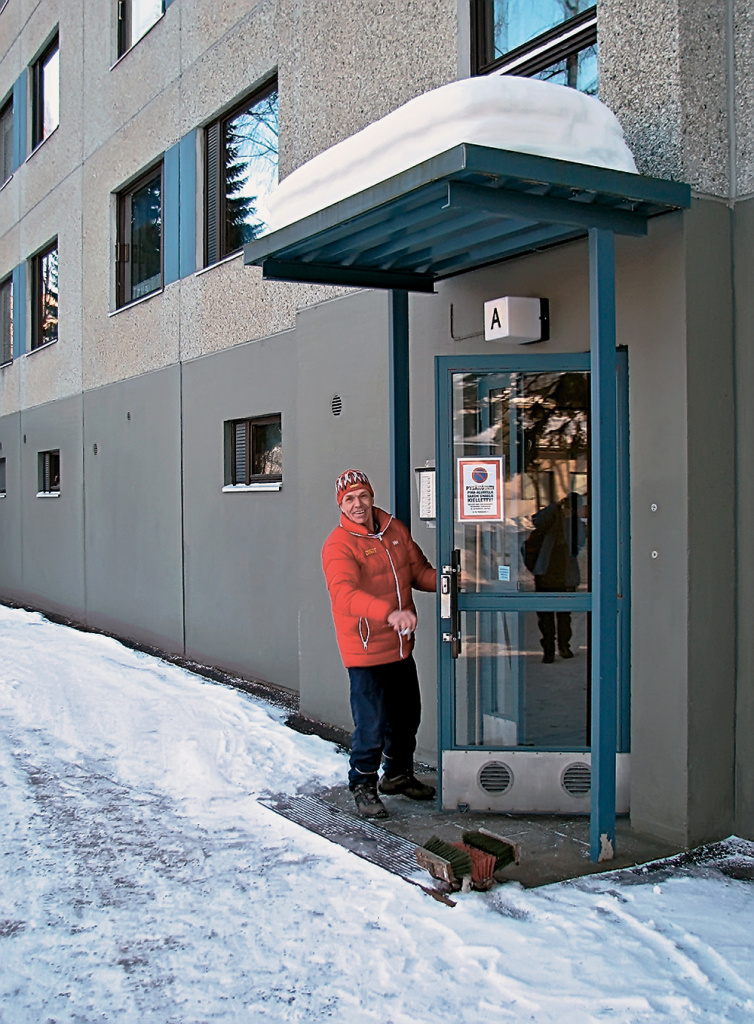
(46, 112)
(254, 451)
(6, 320)
(44, 313)
(2, 478)
(242, 169)
(48, 472)
(139, 248)
(554, 40)
(135, 18)
(6, 141)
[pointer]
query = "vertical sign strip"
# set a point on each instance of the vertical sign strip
(19, 310)
(187, 202)
(171, 214)
(20, 90)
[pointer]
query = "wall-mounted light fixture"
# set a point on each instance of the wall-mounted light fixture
(517, 319)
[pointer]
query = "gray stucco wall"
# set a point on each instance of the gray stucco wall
(134, 549)
(53, 539)
(711, 541)
(342, 349)
(744, 365)
(11, 536)
(240, 548)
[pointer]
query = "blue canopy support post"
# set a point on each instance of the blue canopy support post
(604, 517)
(400, 423)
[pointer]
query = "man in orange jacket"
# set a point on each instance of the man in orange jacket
(371, 564)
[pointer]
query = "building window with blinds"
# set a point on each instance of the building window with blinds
(48, 473)
(254, 453)
(241, 171)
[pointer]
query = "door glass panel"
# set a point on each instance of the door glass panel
(529, 432)
(507, 691)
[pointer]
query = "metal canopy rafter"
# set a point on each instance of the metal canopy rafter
(462, 209)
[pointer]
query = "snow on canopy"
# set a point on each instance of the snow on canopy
(502, 111)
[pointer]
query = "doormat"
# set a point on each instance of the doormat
(368, 841)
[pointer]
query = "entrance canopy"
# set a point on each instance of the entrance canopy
(465, 208)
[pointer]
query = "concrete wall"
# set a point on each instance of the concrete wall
(118, 116)
(241, 548)
(53, 542)
(132, 509)
(744, 384)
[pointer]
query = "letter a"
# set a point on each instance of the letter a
(495, 319)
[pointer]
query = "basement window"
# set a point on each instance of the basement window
(48, 474)
(254, 454)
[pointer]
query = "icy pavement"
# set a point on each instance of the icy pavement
(142, 881)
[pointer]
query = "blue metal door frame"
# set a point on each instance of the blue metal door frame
(608, 600)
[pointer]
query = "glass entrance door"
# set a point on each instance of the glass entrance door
(515, 541)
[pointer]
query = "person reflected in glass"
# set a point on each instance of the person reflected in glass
(562, 530)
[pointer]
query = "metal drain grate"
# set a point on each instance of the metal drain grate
(368, 841)
(577, 779)
(496, 777)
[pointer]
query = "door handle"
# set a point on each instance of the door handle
(449, 603)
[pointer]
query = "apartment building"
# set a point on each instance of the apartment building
(188, 363)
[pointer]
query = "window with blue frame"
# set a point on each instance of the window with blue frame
(553, 40)
(241, 170)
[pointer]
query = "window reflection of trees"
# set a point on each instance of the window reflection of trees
(555, 421)
(517, 21)
(49, 297)
(146, 238)
(251, 161)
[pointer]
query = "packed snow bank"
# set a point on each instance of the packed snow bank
(504, 112)
(142, 882)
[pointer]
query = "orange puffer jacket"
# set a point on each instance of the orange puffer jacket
(370, 575)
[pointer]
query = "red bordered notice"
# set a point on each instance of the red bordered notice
(480, 490)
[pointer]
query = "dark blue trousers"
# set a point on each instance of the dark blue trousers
(386, 709)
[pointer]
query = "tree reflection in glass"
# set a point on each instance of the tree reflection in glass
(251, 170)
(48, 280)
(518, 21)
(146, 236)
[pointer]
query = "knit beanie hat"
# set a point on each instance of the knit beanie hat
(349, 481)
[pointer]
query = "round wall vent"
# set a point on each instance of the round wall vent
(336, 405)
(577, 779)
(496, 777)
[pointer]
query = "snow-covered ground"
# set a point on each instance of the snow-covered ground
(141, 880)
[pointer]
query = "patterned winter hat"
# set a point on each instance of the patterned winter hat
(349, 481)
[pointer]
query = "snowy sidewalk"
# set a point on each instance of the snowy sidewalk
(141, 881)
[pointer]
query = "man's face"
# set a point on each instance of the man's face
(357, 506)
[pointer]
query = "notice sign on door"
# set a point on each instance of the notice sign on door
(480, 490)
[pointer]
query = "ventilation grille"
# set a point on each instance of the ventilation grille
(336, 405)
(577, 779)
(496, 777)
